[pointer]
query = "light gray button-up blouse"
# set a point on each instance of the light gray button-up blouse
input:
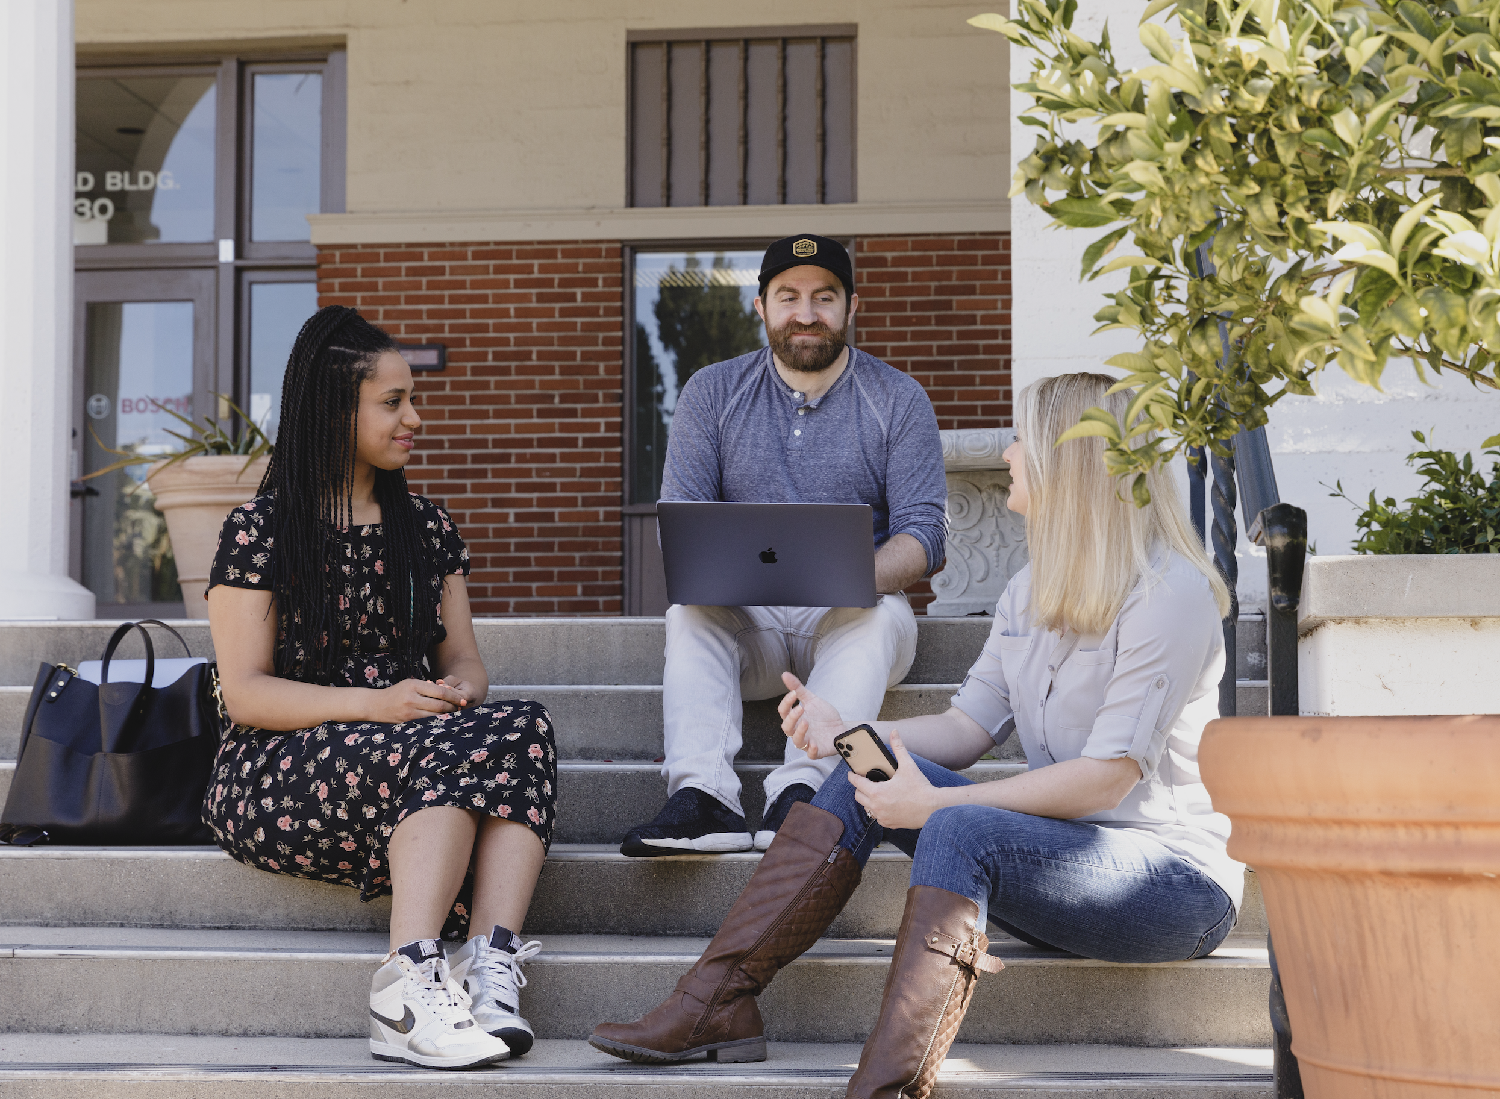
(1143, 690)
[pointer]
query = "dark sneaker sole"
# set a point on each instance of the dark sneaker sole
(726, 1053)
(519, 1040)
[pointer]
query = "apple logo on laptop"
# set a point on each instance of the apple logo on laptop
(768, 555)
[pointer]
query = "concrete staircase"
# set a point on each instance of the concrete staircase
(169, 973)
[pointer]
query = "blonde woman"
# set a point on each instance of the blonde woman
(1105, 658)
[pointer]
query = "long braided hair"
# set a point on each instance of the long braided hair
(311, 476)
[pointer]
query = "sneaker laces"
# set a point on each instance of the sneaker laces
(431, 985)
(500, 973)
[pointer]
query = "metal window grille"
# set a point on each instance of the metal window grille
(742, 121)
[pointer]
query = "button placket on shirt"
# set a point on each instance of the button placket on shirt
(796, 437)
(1053, 663)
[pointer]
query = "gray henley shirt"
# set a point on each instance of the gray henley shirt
(741, 434)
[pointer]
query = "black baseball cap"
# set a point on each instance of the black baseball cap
(810, 250)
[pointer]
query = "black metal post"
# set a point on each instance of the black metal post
(1283, 531)
(1197, 465)
(1288, 1074)
(1225, 536)
(1255, 476)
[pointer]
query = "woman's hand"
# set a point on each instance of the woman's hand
(412, 700)
(905, 800)
(472, 695)
(808, 720)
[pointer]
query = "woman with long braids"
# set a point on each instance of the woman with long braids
(1105, 659)
(359, 747)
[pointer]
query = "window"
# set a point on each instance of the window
(691, 308)
(194, 273)
(145, 159)
(754, 118)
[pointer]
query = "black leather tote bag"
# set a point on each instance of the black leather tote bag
(115, 763)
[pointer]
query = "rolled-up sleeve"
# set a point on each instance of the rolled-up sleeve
(916, 489)
(1168, 632)
(984, 695)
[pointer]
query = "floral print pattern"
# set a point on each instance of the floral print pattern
(322, 803)
(243, 558)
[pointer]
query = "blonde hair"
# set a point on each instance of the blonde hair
(1089, 543)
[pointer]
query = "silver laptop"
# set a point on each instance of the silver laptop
(768, 555)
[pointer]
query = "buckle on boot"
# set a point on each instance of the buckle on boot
(966, 952)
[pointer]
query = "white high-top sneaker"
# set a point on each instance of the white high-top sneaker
(419, 1015)
(489, 970)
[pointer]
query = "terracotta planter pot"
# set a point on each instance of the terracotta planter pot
(194, 495)
(1377, 844)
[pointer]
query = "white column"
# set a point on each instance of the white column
(36, 309)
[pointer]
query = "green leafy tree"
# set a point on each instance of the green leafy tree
(1317, 179)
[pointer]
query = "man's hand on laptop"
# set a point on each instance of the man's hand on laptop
(811, 722)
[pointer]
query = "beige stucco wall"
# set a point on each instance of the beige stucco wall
(495, 117)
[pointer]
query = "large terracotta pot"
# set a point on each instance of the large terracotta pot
(194, 495)
(1376, 841)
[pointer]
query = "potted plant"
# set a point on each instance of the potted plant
(195, 487)
(1304, 183)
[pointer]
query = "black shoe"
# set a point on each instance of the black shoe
(691, 822)
(776, 813)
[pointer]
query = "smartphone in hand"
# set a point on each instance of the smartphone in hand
(866, 753)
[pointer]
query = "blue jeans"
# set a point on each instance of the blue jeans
(1104, 893)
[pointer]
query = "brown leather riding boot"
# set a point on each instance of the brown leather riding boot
(939, 956)
(803, 881)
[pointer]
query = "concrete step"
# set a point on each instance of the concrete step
(598, 802)
(316, 985)
(613, 651)
(584, 889)
(1252, 698)
(625, 722)
(126, 1066)
(607, 722)
(515, 650)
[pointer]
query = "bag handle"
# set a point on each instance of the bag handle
(119, 635)
(169, 629)
(114, 643)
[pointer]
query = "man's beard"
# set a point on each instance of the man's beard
(802, 356)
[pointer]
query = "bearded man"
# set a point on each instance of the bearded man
(807, 420)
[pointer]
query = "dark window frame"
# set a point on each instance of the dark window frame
(743, 37)
(232, 167)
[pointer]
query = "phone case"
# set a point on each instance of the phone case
(866, 753)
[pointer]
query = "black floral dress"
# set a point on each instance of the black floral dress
(322, 803)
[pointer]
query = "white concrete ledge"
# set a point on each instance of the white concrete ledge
(664, 223)
(1399, 634)
(1399, 586)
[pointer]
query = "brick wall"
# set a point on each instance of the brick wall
(521, 433)
(938, 307)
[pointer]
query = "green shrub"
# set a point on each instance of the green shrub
(1458, 511)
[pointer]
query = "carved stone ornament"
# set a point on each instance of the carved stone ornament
(986, 543)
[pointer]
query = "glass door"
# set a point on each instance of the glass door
(144, 349)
